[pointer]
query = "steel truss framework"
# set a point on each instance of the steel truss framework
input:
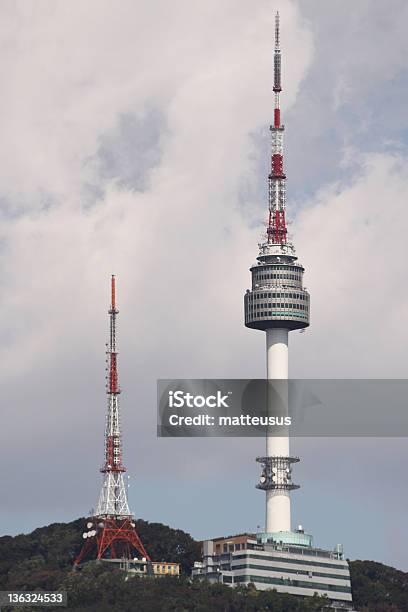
(114, 537)
(276, 473)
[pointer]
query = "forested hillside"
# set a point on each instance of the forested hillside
(43, 560)
(378, 587)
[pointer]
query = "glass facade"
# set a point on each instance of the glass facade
(277, 297)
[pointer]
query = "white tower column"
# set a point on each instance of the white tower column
(277, 501)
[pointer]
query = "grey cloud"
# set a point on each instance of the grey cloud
(128, 153)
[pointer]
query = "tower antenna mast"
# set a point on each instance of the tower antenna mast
(276, 231)
(112, 530)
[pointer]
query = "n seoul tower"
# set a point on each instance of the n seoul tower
(277, 558)
(277, 304)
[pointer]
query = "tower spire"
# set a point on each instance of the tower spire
(276, 231)
(112, 529)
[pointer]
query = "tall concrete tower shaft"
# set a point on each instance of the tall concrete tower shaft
(277, 303)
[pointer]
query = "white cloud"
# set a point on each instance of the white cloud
(71, 76)
(180, 248)
(353, 240)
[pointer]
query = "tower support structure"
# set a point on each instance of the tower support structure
(111, 532)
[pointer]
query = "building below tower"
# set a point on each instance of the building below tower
(293, 568)
(143, 567)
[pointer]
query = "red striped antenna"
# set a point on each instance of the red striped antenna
(276, 231)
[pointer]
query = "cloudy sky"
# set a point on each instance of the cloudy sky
(134, 139)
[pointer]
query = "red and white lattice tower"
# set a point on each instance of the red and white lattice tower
(111, 531)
